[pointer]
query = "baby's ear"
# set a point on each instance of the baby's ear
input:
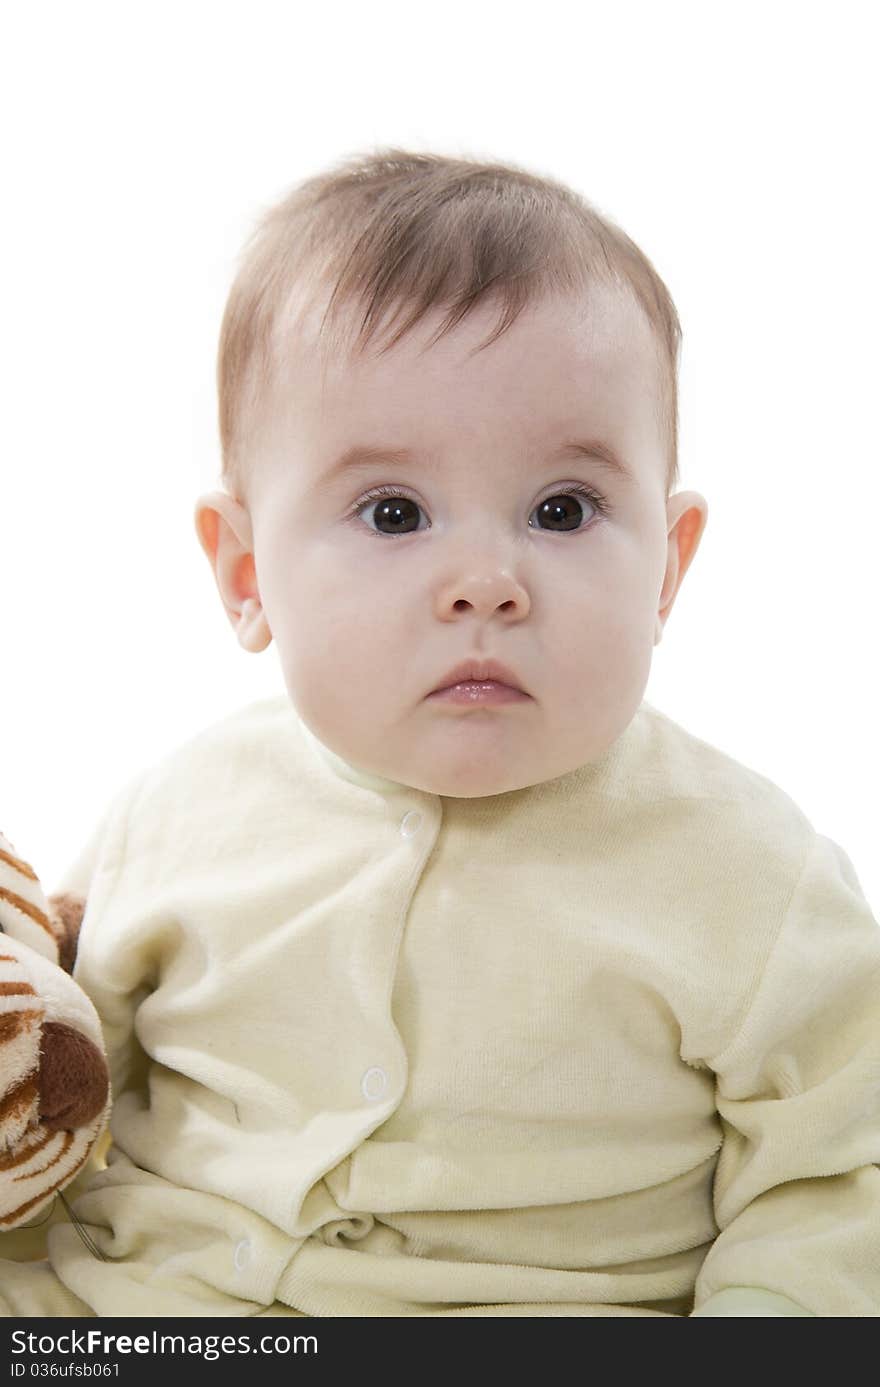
(225, 533)
(206, 522)
(215, 511)
(687, 513)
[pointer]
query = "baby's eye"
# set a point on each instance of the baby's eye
(557, 513)
(393, 509)
(565, 509)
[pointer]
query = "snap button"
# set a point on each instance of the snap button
(242, 1254)
(374, 1083)
(410, 823)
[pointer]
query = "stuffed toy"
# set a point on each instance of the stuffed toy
(54, 1086)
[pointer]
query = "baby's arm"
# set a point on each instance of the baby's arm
(151, 1238)
(797, 1185)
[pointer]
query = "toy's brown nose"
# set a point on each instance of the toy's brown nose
(73, 1078)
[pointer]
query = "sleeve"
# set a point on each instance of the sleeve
(797, 1183)
(113, 964)
(138, 1243)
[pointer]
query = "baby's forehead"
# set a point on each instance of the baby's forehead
(597, 335)
(563, 374)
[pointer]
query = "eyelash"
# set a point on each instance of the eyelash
(574, 488)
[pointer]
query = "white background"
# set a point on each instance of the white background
(735, 144)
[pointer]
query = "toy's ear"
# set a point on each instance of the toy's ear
(66, 911)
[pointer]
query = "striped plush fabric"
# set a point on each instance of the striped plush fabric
(54, 1099)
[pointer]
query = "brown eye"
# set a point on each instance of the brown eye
(398, 513)
(564, 511)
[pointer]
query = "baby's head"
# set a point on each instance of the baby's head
(498, 362)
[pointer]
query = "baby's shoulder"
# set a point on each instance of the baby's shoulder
(217, 763)
(669, 762)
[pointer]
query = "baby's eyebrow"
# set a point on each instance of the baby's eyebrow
(361, 456)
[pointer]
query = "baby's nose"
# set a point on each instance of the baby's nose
(484, 593)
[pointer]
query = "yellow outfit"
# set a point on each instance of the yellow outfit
(607, 1045)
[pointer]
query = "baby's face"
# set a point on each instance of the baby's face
(486, 546)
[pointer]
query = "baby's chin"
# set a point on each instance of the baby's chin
(472, 780)
(467, 757)
(474, 784)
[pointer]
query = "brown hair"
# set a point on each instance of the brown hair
(395, 229)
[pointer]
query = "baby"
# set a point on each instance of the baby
(459, 980)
